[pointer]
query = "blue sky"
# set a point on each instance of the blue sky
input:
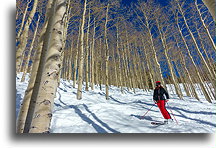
(128, 2)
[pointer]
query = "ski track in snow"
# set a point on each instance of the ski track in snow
(122, 113)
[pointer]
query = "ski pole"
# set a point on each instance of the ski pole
(172, 113)
(147, 111)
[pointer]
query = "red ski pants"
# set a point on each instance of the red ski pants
(164, 112)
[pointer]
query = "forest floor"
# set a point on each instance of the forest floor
(123, 112)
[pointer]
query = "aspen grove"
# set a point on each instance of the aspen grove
(99, 43)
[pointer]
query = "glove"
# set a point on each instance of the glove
(166, 100)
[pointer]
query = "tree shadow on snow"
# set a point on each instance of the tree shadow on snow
(62, 89)
(98, 128)
(117, 100)
(191, 112)
(101, 122)
(65, 85)
(84, 117)
(141, 117)
(180, 110)
(88, 120)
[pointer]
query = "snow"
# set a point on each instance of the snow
(123, 112)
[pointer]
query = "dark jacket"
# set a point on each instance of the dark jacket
(159, 94)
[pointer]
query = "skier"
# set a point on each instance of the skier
(160, 100)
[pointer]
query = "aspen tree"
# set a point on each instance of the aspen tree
(87, 53)
(210, 75)
(182, 80)
(126, 69)
(152, 43)
(205, 51)
(144, 76)
(24, 36)
(127, 53)
(28, 104)
(38, 72)
(49, 80)
(23, 21)
(207, 85)
(96, 62)
(164, 43)
(126, 60)
(138, 80)
(115, 68)
(106, 55)
(194, 65)
(119, 57)
(17, 14)
(21, 120)
(127, 82)
(70, 63)
(65, 25)
(81, 56)
(76, 57)
(204, 25)
(151, 77)
(134, 69)
(93, 57)
(30, 52)
(122, 64)
(100, 65)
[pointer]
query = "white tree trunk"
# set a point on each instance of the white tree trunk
(173, 78)
(205, 27)
(49, 81)
(27, 106)
(76, 58)
(151, 77)
(208, 98)
(93, 58)
(107, 56)
(119, 60)
(30, 52)
(87, 53)
(153, 49)
(210, 75)
(81, 56)
(211, 4)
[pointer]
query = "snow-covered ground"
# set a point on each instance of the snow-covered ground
(123, 113)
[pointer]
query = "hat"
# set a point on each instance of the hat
(158, 82)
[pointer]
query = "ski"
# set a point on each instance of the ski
(157, 123)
